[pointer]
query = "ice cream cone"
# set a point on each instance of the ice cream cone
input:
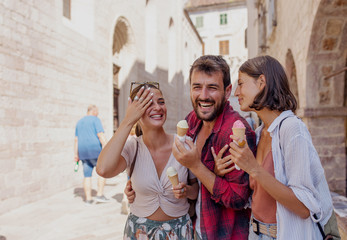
(240, 133)
(174, 180)
(239, 130)
(173, 176)
(182, 128)
(181, 132)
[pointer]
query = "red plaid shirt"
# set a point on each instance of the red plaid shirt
(222, 215)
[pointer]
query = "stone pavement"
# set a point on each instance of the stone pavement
(65, 216)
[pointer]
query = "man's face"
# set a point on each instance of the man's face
(208, 95)
(95, 112)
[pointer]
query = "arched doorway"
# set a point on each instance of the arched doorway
(120, 48)
(325, 90)
(291, 72)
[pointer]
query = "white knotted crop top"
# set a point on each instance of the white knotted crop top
(152, 192)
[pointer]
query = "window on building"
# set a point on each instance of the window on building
(224, 47)
(199, 22)
(67, 8)
(223, 19)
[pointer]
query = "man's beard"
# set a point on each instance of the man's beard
(217, 111)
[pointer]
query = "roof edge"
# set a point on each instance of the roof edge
(192, 25)
(215, 6)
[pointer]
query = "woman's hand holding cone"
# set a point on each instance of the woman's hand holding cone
(243, 156)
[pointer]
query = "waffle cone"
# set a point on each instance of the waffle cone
(240, 133)
(174, 180)
(181, 131)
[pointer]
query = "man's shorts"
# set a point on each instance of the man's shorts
(88, 166)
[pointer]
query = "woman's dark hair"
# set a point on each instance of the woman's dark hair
(138, 130)
(210, 64)
(276, 95)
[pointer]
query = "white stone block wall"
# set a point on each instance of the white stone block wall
(314, 32)
(50, 71)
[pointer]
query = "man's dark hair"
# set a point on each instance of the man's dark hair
(210, 64)
(276, 95)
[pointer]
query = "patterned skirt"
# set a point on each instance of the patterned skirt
(139, 228)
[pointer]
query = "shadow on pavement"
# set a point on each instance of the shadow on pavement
(79, 192)
(118, 197)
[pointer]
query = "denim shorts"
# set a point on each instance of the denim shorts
(88, 166)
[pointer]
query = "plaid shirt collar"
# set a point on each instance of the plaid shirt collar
(217, 126)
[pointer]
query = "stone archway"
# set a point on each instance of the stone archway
(120, 36)
(291, 74)
(121, 52)
(325, 112)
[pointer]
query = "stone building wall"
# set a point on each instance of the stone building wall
(312, 38)
(52, 68)
(328, 136)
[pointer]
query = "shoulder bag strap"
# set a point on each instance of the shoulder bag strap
(320, 227)
(279, 128)
(279, 133)
(134, 160)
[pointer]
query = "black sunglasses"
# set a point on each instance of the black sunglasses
(136, 84)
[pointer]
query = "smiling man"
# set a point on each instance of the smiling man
(220, 208)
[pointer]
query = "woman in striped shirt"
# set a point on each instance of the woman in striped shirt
(286, 176)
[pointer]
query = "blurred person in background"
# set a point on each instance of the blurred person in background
(89, 140)
(250, 121)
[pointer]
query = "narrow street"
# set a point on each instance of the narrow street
(65, 216)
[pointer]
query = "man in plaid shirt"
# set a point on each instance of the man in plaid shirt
(220, 208)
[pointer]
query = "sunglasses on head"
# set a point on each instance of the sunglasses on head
(136, 84)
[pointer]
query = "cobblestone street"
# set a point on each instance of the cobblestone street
(65, 216)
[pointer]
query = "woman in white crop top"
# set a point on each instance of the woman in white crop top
(159, 211)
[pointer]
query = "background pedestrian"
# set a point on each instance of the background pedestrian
(89, 140)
